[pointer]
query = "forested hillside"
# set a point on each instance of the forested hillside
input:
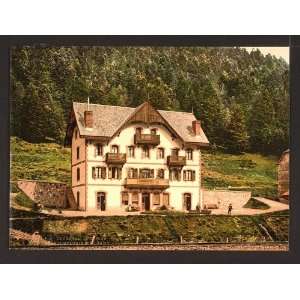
(241, 98)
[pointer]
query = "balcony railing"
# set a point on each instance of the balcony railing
(147, 183)
(176, 161)
(116, 158)
(147, 139)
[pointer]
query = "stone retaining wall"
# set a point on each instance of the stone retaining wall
(47, 193)
(222, 198)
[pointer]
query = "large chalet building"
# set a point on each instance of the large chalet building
(126, 158)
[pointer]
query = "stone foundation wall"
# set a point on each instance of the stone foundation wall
(47, 193)
(222, 198)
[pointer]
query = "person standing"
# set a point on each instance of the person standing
(229, 208)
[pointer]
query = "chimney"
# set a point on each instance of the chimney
(88, 119)
(196, 124)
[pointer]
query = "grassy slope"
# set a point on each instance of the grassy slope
(52, 162)
(47, 161)
(125, 229)
(253, 171)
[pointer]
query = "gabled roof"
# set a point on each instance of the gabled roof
(108, 120)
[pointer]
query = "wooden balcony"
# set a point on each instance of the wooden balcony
(116, 158)
(176, 161)
(147, 183)
(147, 139)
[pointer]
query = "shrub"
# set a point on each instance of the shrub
(255, 204)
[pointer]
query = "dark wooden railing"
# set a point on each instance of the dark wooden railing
(147, 183)
(116, 158)
(176, 161)
(147, 139)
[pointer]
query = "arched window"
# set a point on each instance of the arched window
(187, 201)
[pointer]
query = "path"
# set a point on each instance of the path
(274, 206)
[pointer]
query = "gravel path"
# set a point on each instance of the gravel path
(274, 206)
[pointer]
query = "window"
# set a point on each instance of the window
(130, 151)
(139, 130)
(153, 131)
(175, 152)
(175, 175)
(115, 149)
(78, 197)
(99, 150)
(189, 154)
(114, 173)
(125, 198)
(78, 174)
(99, 172)
(156, 199)
(135, 199)
(145, 152)
(78, 152)
(146, 173)
(132, 173)
(189, 175)
(160, 153)
(160, 173)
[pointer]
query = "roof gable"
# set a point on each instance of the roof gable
(109, 120)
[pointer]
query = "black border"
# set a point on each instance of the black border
(73, 256)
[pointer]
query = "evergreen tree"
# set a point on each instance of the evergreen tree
(236, 137)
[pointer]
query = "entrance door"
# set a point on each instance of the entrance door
(187, 201)
(166, 200)
(101, 201)
(146, 201)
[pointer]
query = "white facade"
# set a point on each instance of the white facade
(128, 159)
(113, 188)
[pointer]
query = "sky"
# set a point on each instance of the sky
(276, 51)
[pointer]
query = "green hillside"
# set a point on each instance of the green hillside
(155, 229)
(45, 161)
(241, 98)
(51, 162)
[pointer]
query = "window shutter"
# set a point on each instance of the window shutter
(179, 175)
(119, 173)
(93, 172)
(135, 173)
(152, 173)
(184, 175)
(103, 173)
(109, 173)
(193, 175)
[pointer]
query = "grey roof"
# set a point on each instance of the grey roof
(108, 119)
